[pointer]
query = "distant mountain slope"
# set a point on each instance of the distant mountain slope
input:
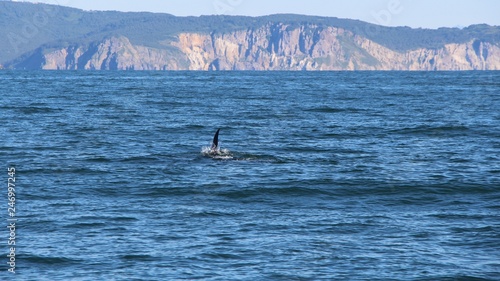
(40, 36)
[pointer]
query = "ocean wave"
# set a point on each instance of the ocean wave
(435, 130)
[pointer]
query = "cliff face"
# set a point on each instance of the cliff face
(270, 47)
(277, 47)
(474, 55)
(116, 53)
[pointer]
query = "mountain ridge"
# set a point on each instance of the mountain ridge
(41, 36)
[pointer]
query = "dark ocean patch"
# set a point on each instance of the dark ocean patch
(38, 110)
(435, 131)
(49, 260)
(140, 258)
(88, 225)
(327, 109)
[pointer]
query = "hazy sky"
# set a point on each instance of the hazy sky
(414, 13)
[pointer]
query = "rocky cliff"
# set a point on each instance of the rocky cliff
(277, 47)
(270, 47)
(115, 53)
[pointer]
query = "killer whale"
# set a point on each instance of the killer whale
(214, 151)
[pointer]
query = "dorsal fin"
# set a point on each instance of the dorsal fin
(215, 142)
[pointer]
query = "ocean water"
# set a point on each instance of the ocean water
(331, 175)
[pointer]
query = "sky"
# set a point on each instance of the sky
(413, 13)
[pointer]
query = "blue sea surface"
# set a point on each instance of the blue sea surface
(332, 175)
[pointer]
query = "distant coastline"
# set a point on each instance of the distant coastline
(41, 36)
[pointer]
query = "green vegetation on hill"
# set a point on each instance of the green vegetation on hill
(26, 26)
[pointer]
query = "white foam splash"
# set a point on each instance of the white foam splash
(217, 154)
